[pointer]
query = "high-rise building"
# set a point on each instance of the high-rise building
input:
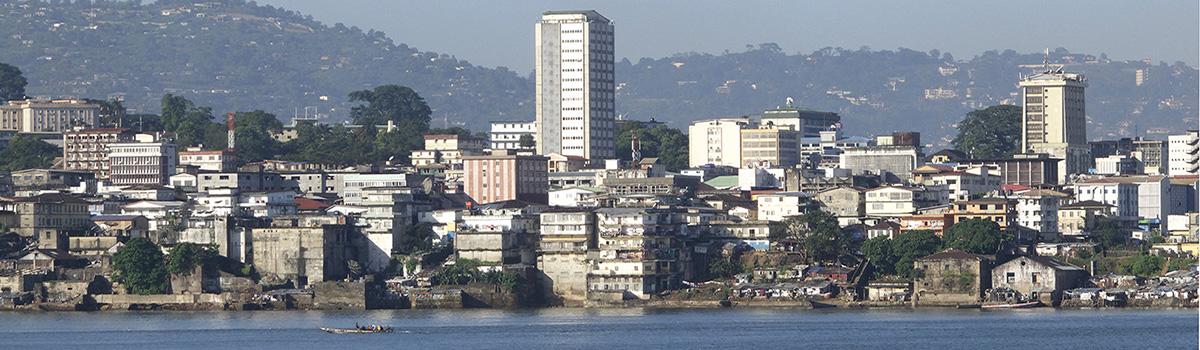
(575, 91)
(717, 141)
(500, 177)
(1182, 150)
(1054, 119)
(36, 115)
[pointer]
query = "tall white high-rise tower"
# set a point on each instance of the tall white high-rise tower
(576, 106)
(1055, 118)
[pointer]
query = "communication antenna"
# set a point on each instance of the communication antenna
(1046, 61)
(790, 102)
(637, 149)
(230, 141)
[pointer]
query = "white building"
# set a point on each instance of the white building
(1183, 152)
(575, 88)
(221, 161)
(1038, 210)
(1120, 194)
(37, 115)
(149, 161)
(507, 135)
(717, 141)
(1153, 195)
(573, 196)
(963, 184)
(825, 151)
(901, 201)
(353, 184)
(780, 205)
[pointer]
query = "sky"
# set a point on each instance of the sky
(500, 32)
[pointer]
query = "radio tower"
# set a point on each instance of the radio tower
(232, 154)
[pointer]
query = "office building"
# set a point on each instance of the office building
(574, 85)
(150, 160)
(87, 149)
(1054, 119)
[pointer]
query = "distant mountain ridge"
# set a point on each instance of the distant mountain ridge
(234, 55)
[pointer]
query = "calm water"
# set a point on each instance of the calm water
(612, 329)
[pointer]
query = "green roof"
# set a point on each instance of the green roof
(723, 181)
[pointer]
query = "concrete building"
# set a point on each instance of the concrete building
(963, 184)
(770, 146)
(47, 217)
(245, 181)
(389, 211)
(847, 201)
(218, 161)
(151, 160)
(497, 178)
(999, 210)
(499, 234)
(1153, 195)
(639, 252)
(900, 201)
(781, 205)
(306, 249)
(1055, 120)
(1077, 218)
(353, 184)
(717, 141)
(951, 277)
(898, 161)
(87, 149)
(1038, 277)
(825, 151)
(562, 163)
(1022, 169)
(1038, 211)
(1119, 194)
(808, 122)
(38, 115)
(575, 89)
(1183, 154)
(448, 150)
(1151, 154)
(1118, 164)
(567, 241)
(507, 134)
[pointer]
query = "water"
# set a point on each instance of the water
(753, 328)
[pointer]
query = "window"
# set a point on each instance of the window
(1034, 277)
(1010, 277)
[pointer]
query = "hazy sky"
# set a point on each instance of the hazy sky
(500, 33)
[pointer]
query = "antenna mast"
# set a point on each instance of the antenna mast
(230, 141)
(637, 149)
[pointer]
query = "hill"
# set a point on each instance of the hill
(234, 55)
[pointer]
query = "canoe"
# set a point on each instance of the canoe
(817, 305)
(354, 331)
(1014, 306)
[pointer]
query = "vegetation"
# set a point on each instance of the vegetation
(466, 271)
(527, 141)
(990, 133)
(139, 265)
(28, 152)
(818, 232)
(185, 256)
(1108, 234)
(667, 144)
(1142, 265)
(913, 245)
(12, 83)
(722, 268)
(415, 238)
(976, 236)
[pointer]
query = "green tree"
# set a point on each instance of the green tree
(12, 83)
(399, 104)
(184, 256)
(111, 111)
(993, 132)
(527, 141)
(191, 125)
(453, 130)
(976, 236)
(722, 268)
(667, 144)
(879, 251)
(139, 265)
(27, 152)
(912, 245)
(818, 232)
(1107, 233)
(1143, 265)
(415, 238)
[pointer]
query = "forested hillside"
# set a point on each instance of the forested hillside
(234, 55)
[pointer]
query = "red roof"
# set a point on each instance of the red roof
(309, 204)
(1014, 187)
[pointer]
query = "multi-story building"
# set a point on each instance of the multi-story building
(825, 151)
(219, 161)
(151, 160)
(1076, 218)
(499, 234)
(37, 115)
(963, 184)
(389, 211)
(1118, 164)
(305, 248)
(574, 84)
(809, 123)
(1055, 120)
(354, 184)
(717, 141)
(567, 242)
(899, 161)
(243, 181)
(1183, 154)
(901, 201)
(999, 210)
(846, 201)
(1038, 210)
(781, 205)
(497, 178)
(507, 135)
(1119, 194)
(770, 146)
(448, 150)
(1150, 153)
(87, 149)
(44, 216)
(1022, 169)
(638, 252)
(1153, 195)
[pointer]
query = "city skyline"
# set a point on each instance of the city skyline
(500, 35)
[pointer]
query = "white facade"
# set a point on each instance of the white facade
(900, 201)
(1038, 210)
(780, 205)
(575, 87)
(1122, 195)
(1055, 119)
(1153, 196)
(572, 197)
(717, 141)
(1183, 152)
(150, 161)
(47, 115)
(507, 135)
(961, 185)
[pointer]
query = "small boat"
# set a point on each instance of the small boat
(818, 305)
(968, 306)
(1014, 306)
(362, 330)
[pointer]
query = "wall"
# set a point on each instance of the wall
(336, 295)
